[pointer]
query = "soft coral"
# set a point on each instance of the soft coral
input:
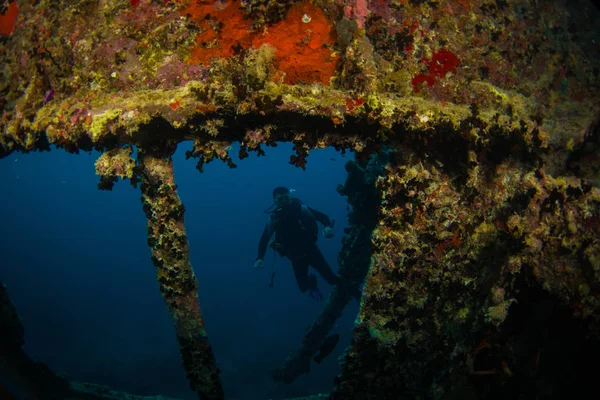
(442, 62)
(8, 20)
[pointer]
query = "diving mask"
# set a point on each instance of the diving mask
(283, 199)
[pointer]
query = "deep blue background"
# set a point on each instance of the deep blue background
(77, 267)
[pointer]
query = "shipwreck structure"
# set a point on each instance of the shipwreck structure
(475, 188)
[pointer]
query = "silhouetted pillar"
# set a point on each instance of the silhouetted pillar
(170, 254)
(354, 260)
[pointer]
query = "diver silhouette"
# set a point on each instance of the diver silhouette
(292, 231)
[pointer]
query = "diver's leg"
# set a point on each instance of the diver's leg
(319, 263)
(300, 265)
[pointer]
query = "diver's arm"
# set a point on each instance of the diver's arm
(321, 217)
(264, 239)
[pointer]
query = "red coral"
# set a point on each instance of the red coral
(420, 78)
(8, 20)
(224, 30)
(351, 104)
(442, 62)
(174, 104)
(302, 51)
(302, 48)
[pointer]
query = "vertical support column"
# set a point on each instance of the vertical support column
(298, 362)
(170, 254)
(354, 260)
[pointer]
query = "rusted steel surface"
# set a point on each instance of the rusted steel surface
(170, 254)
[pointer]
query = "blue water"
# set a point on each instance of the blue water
(77, 267)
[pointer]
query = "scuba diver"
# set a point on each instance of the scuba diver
(294, 229)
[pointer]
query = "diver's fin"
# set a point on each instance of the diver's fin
(272, 283)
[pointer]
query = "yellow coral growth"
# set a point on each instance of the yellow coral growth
(116, 163)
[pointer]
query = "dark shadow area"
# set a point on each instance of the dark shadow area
(546, 352)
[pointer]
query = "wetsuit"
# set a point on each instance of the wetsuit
(296, 232)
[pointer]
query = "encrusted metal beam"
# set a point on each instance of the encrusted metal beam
(170, 254)
(354, 259)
